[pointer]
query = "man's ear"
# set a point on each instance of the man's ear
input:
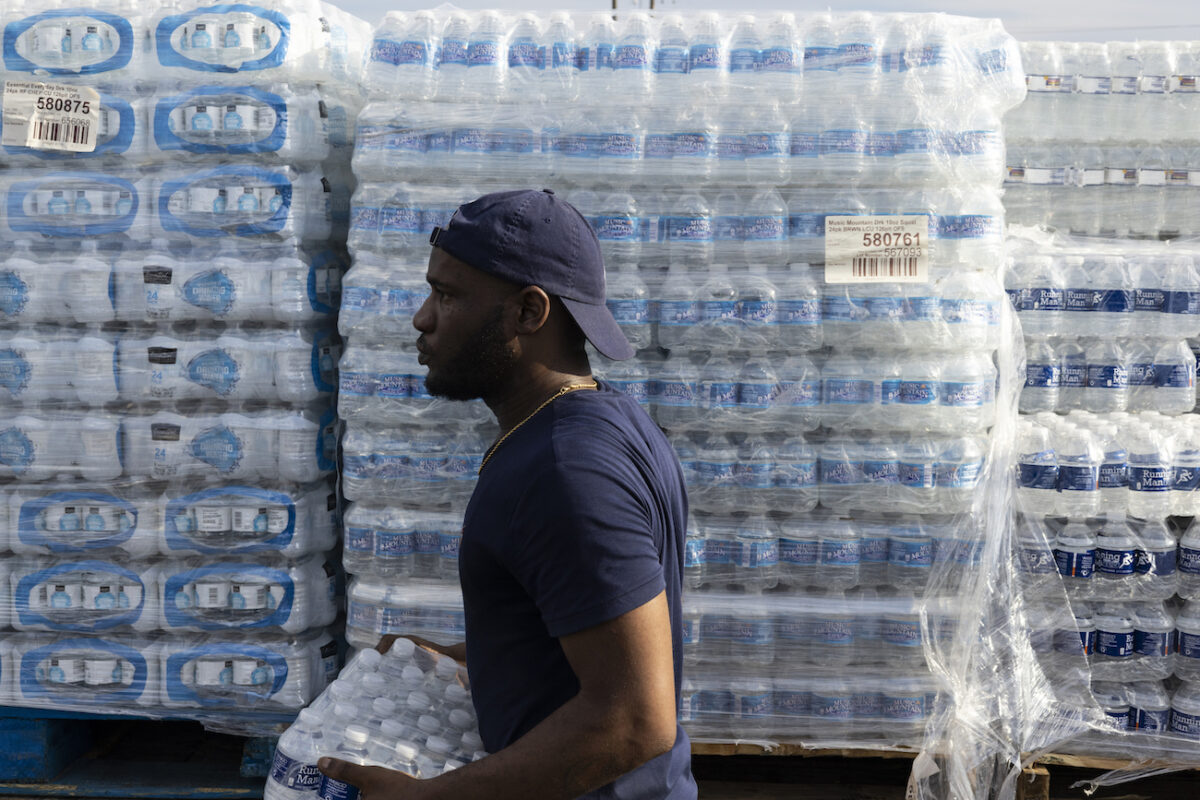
(533, 310)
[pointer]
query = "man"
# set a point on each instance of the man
(572, 549)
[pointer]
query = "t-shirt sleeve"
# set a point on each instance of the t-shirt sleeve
(583, 543)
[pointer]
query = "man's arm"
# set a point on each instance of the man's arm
(456, 651)
(623, 716)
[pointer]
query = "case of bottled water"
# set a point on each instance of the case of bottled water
(839, 436)
(168, 350)
(408, 710)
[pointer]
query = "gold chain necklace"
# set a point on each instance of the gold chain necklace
(570, 387)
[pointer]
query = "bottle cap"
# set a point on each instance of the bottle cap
(446, 668)
(451, 765)
(405, 752)
(402, 648)
(344, 710)
(460, 719)
(471, 740)
(368, 660)
(419, 700)
(457, 694)
(429, 724)
(374, 683)
(357, 735)
(384, 706)
(309, 717)
(412, 675)
(439, 745)
(392, 728)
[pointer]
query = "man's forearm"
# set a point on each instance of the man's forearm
(578, 748)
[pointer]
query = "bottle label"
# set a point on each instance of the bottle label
(903, 553)
(1185, 479)
(1093, 84)
(1047, 299)
(1036, 560)
(1039, 476)
(1049, 83)
(1182, 302)
(799, 312)
(881, 472)
(917, 475)
(799, 394)
(292, 774)
(670, 60)
(798, 475)
(630, 312)
(840, 553)
(1142, 374)
(693, 552)
(766, 145)
(804, 145)
(1075, 565)
(1175, 376)
(1114, 645)
(482, 54)
(962, 394)
(630, 56)
(1153, 644)
(841, 473)
(526, 54)
(694, 145)
(1078, 300)
(1078, 479)
(394, 544)
(1074, 373)
(1185, 724)
(689, 229)
(1156, 562)
(1042, 376)
(1107, 376)
(331, 789)
(1143, 720)
(1120, 176)
(764, 229)
(659, 145)
(758, 554)
(959, 476)
(1189, 645)
(801, 552)
(1113, 476)
(915, 393)
(1149, 479)
(1148, 300)
(845, 391)
(1189, 560)
(833, 632)
(1090, 177)
(1115, 562)
(843, 309)
(360, 540)
(1114, 301)
(1153, 84)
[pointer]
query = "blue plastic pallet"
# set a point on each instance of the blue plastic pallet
(47, 753)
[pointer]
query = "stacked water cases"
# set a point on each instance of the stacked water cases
(1103, 154)
(801, 223)
(173, 178)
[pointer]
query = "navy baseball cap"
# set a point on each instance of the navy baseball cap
(533, 238)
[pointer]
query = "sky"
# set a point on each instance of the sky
(1073, 20)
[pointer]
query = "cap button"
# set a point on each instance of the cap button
(548, 191)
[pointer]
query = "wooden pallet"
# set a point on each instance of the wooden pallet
(59, 754)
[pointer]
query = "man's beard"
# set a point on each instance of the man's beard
(479, 367)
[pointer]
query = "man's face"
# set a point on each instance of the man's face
(463, 337)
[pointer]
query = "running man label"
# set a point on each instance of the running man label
(877, 249)
(50, 116)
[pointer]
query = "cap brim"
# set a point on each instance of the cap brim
(598, 325)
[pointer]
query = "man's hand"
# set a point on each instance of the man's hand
(456, 651)
(375, 783)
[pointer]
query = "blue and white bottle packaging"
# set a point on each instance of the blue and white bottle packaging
(236, 677)
(834, 436)
(170, 355)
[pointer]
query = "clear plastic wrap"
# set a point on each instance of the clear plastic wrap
(847, 443)
(168, 356)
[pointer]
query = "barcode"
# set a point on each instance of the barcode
(876, 267)
(61, 132)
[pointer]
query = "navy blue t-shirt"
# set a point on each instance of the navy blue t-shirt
(579, 517)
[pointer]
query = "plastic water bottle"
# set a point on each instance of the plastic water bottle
(1185, 472)
(1075, 555)
(1175, 377)
(560, 79)
(1153, 640)
(1114, 310)
(294, 774)
(1189, 562)
(1116, 559)
(1181, 299)
(1043, 376)
(1185, 711)
(1079, 459)
(1114, 473)
(1149, 474)
(1038, 471)
(1187, 627)
(1149, 708)
(1107, 377)
(353, 748)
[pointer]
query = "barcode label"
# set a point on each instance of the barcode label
(877, 249)
(60, 132)
(875, 267)
(50, 116)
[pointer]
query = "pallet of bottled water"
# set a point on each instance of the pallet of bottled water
(1104, 143)
(408, 710)
(236, 676)
(836, 436)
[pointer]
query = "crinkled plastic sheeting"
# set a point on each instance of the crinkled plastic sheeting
(847, 446)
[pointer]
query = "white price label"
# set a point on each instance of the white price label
(877, 249)
(50, 116)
